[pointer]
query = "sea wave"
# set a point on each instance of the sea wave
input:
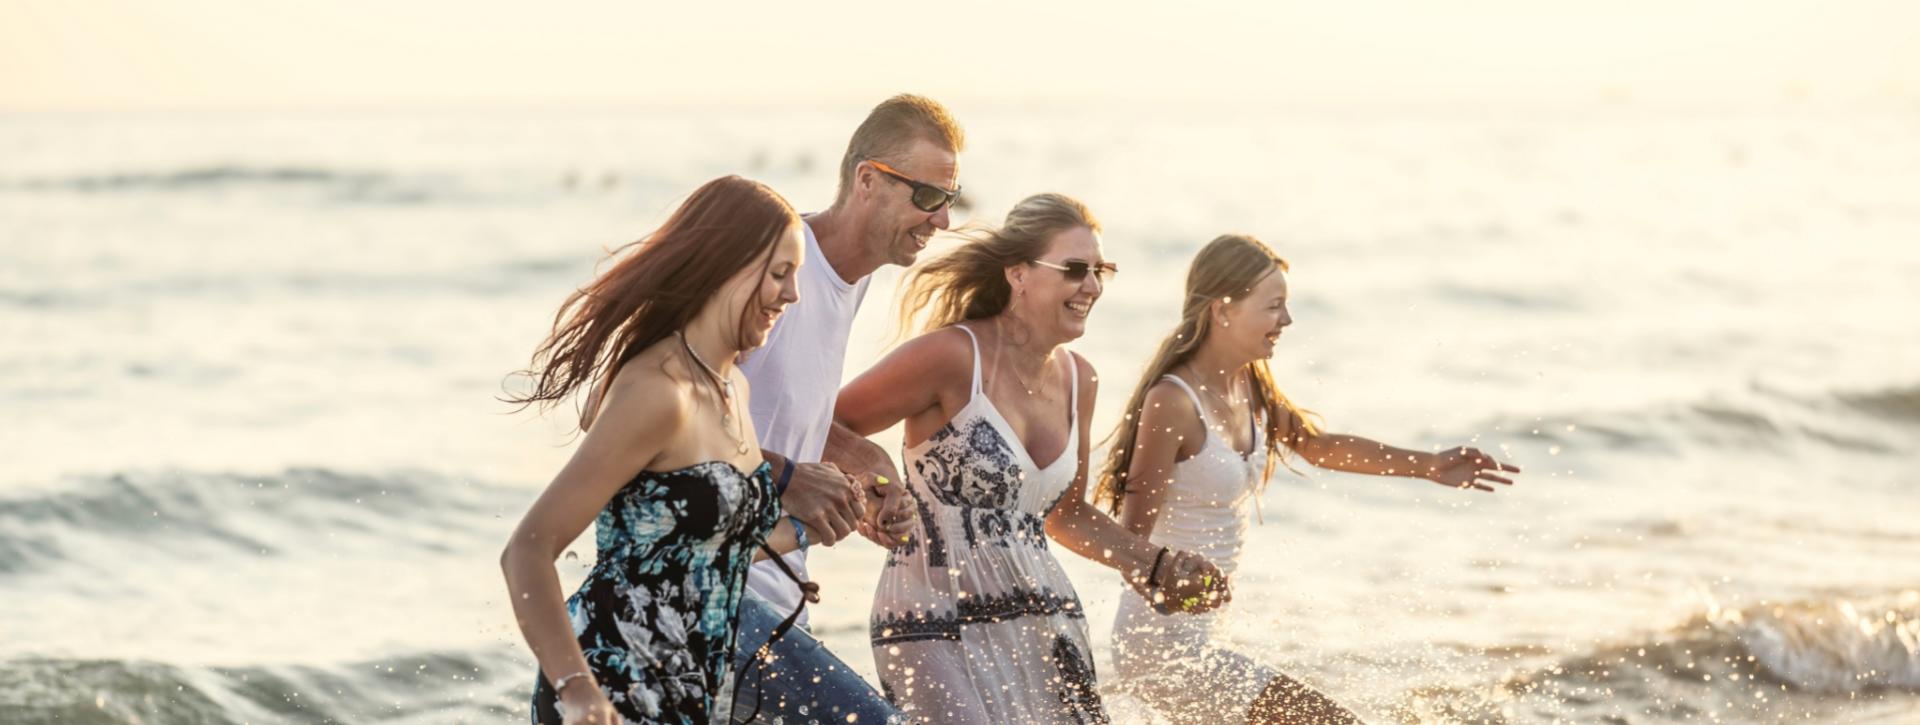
(203, 176)
(339, 183)
(1850, 420)
(513, 276)
(331, 185)
(194, 514)
(1761, 661)
(1895, 403)
(419, 687)
(366, 185)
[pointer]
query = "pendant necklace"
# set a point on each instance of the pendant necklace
(737, 432)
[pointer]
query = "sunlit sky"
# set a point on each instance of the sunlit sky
(278, 54)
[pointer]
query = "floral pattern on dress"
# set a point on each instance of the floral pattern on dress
(656, 615)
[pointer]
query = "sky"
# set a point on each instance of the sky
(89, 55)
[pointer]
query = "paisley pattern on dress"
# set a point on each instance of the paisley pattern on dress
(1079, 693)
(974, 621)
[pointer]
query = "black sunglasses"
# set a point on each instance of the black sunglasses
(1076, 270)
(926, 197)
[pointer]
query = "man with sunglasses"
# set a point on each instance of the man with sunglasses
(898, 179)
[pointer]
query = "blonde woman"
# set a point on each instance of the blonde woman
(973, 620)
(1207, 426)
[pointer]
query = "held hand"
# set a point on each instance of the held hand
(584, 704)
(890, 515)
(1190, 583)
(825, 500)
(1465, 467)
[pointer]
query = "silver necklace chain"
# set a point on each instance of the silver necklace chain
(1013, 366)
(735, 431)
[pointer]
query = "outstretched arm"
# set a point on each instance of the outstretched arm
(1459, 467)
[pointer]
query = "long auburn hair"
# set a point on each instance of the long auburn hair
(655, 287)
(970, 282)
(1224, 270)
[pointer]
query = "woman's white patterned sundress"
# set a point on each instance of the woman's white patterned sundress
(1171, 660)
(974, 621)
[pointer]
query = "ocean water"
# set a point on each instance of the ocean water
(256, 470)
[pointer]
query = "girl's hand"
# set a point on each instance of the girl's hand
(1196, 585)
(584, 704)
(1187, 583)
(1465, 467)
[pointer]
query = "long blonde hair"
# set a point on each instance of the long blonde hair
(1224, 270)
(970, 282)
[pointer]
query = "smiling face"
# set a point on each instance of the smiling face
(896, 230)
(1252, 323)
(1056, 306)
(761, 292)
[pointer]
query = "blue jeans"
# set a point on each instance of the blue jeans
(804, 683)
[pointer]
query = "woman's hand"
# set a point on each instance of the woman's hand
(890, 513)
(1187, 582)
(584, 704)
(1465, 467)
(825, 500)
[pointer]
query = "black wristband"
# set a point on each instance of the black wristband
(786, 477)
(1154, 575)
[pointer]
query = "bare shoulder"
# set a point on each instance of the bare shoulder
(1086, 377)
(651, 394)
(1168, 403)
(951, 341)
(942, 353)
(1084, 370)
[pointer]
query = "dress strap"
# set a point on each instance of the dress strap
(1198, 406)
(976, 357)
(810, 592)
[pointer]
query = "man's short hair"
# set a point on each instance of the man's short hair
(892, 128)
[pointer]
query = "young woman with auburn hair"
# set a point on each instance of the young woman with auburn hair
(668, 470)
